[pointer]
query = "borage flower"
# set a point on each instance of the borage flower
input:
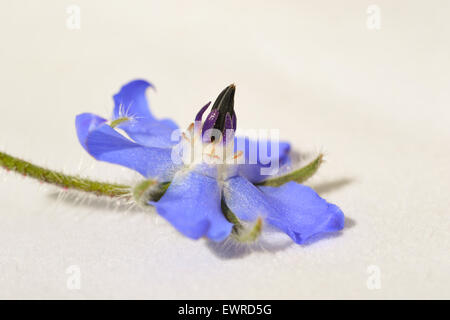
(202, 181)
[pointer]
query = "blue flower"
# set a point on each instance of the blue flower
(199, 192)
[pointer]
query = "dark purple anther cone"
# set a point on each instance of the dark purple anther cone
(222, 116)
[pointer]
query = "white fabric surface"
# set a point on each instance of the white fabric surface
(376, 102)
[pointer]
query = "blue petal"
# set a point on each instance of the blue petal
(301, 212)
(293, 208)
(251, 148)
(157, 133)
(143, 127)
(105, 144)
(131, 100)
(192, 204)
(85, 123)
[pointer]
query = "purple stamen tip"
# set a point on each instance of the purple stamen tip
(199, 115)
(229, 129)
(228, 122)
(210, 120)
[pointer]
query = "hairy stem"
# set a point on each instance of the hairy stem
(300, 175)
(60, 179)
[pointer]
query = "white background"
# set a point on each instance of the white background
(377, 102)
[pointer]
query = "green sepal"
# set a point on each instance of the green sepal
(248, 234)
(230, 216)
(118, 121)
(149, 190)
(300, 175)
(240, 232)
